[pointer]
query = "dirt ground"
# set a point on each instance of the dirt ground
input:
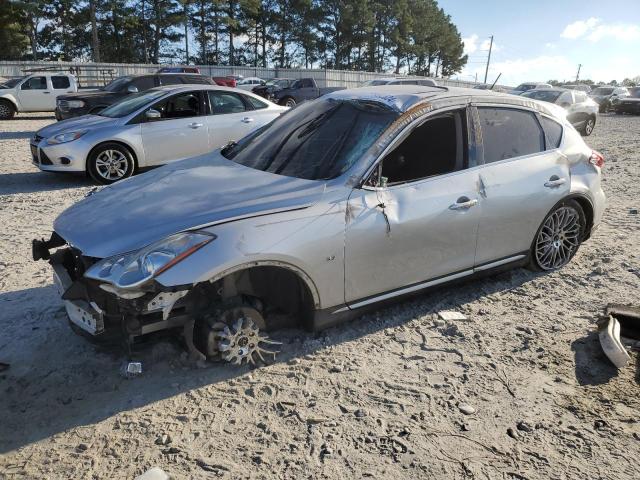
(382, 397)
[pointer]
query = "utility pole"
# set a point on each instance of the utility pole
(578, 74)
(486, 72)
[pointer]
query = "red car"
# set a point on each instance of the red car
(225, 81)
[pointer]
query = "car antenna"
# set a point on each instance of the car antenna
(494, 83)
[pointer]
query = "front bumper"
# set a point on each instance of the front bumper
(65, 157)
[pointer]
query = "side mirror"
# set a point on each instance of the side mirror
(132, 89)
(152, 115)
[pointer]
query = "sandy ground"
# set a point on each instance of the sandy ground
(378, 398)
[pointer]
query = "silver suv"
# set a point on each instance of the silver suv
(358, 197)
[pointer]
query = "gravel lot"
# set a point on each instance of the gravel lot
(379, 398)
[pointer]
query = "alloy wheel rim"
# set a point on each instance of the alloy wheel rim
(112, 165)
(589, 127)
(4, 110)
(558, 239)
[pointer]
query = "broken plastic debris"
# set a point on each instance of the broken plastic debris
(132, 369)
(609, 333)
(451, 315)
(154, 473)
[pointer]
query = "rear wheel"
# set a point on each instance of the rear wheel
(288, 102)
(109, 163)
(7, 110)
(589, 125)
(559, 236)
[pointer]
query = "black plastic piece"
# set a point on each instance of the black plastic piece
(40, 248)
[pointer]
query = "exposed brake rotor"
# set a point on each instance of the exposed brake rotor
(235, 336)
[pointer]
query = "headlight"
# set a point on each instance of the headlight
(72, 103)
(66, 137)
(135, 268)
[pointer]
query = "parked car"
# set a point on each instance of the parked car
(225, 81)
(604, 96)
(627, 104)
(150, 128)
(582, 87)
(581, 110)
(181, 69)
(93, 101)
(428, 82)
(525, 87)
(301, 90)
(249, 83)
(34, 93)
(359, 197)
(271, 86)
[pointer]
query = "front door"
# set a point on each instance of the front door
(415, 220)
(179, 133)
(524, 175)
(35, 95)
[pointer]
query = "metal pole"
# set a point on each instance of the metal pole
(578, 74)
(486, 72)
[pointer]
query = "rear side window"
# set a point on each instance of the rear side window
(143, 83)
(170, 80)
(225, 102)
(509, 133)
(553, 131)
(60, 82)
(255, 103)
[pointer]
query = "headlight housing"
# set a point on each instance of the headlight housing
(132, 269)
(66, 137)
(74, 103)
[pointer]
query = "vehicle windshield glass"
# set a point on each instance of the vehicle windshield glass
(544, 95)
(375, 83)
(603, 91)
(117, 84)
(279, 83)
(12, 83)
(131, 103)
(525, 86)
(317, 140)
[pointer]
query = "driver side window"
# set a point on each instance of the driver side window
(35, 83)
(183, 105)
(436, 147)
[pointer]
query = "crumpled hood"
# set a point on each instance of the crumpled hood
(208, 189)
(77, 123)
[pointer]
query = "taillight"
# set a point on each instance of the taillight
(596, 159)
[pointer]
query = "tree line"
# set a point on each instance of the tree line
(408, 36)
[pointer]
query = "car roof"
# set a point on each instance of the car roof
(403, 98)
(198, 86)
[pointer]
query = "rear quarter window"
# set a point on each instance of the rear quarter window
(509, 133)
(553, 132)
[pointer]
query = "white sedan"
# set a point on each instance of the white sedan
(250, 82)
(150, 128)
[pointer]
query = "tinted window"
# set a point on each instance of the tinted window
(143, 83)
(255, 103)
(434, 148)
(131, 103)
(553, 131)
(170, 80)
(603, 91)
(225, 102)
(117, 84)
(509, 133)
(182, 105)
(60, 82)
(306, 83)
(35, 83)
(317, 140)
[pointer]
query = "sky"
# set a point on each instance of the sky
(547, 40)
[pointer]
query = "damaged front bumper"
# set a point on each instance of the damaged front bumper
(102, 312)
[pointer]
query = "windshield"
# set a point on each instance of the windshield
(117, 84)
(375, 83)
(602, 91)
(317, 140)
(131, 103)
(12, 83)
(525, 86)
(544, 95)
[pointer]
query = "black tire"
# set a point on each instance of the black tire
(589, 125)
(110, 162)
(7, 110)
(288, 102)
(565, 243)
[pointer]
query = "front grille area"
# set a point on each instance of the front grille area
(34, 153)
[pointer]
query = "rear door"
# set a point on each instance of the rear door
(179, 133)
(61, 84)
(523, 176)
(229, 119)
(35, 95)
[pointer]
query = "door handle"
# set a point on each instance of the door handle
(555, 182)
(46, 92)
(463, 203)
(195, 125)
(247, 120)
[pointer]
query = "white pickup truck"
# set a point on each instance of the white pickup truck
(34, 93)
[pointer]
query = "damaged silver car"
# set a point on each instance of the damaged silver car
(353, 199)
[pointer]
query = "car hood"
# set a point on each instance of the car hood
(184, 195)
(629, 100)
(84, 122)
(87, 95)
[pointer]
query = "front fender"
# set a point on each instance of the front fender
(11, 98)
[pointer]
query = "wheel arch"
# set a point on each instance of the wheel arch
(11, 101)
(131, 150)
(587, 208)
